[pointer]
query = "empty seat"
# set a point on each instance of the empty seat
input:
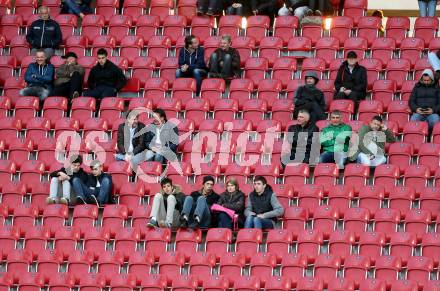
(201, 264)
(368, 27)
(402, 244)
(356, 219)
(270, 48)
(411, 49)
(92, 25)
(357, 44)
(341, 27)
(426, 28)
(419, 268)
(174, 26)
(257, 26)
(293, 266)
(285, 27)
(284, 70)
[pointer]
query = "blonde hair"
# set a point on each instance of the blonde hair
(234, 182)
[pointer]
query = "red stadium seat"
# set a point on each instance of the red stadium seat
(131, 47)
(155, 90)
(417, 177)
(215, 283)
(411, 49)
(402, 244)
(9, 236)
(184, 89)
(168, 69)
(262, 264)
(325, 218)
(158, 47)
(383, 49)
(254, 110)
(374, 67)
(12, 87)
(171, 263)
(185, 282)
(309, 284)
(418, 269)
(400, 154)
(356, 220)
(257, 26)
(357, 44)
(430, 246)
(368, 27)
(109, 262)
(313, 31)
(341, 242)
(429, 199)
(49, 261)
(10, 25)
(255, 69)
(316, 65)
(157, 240)
(119, 26)
(25, 8)
(326, 175)
(201, 264)
(326, 266)
(68, 23)
(225, 109)
(341, 27)
(248, 241)
(7, 65)
(107, 8)
(397, 70)
(174, 26)
(197, 109)
(299, 47)
(335, 65)
(244, 46)
(161, 8)
(386, 176)
(143, 68)
(247, 283)
(282, 111)
(309, 242)
(107, 42)
(134, 8)
(77, 44)
(420, 66)
(24, 215)
(371, 243)
(368, 109)
(370, 197)
(356, 267)
(356, 175)
(241, 90)
(92, 281)
(417, 221)
(92, 25)
(140, 263)
(309, 195)
(383, 90)
(154, 282)
(355, 9)
(293, 266)
(218, 240)
(270, 48)
(397, 27)
(284, 70)
(202, 27)
(426, 28)
(269, 90)
(187, 241)
(278, 242)
(415, 132)
(387, 267)
(285, 27)
(66, 239)
(187, 8)
(146, 25)
(345, 106)
(229, 24)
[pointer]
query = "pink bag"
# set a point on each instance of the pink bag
(230, 212)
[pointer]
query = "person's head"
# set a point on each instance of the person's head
(160, 117)
(70, 57)
(232, 185)
(44, 12)
(376, 123)
(167, 185)
(191, 42)
(96, 167)
(102, 56)
(303, 117)
(259, 184)
(225, 42)
(75, 163)
(352, 58)
(336, 117)
(40, 57)
(208, 184)
(427, 77)
(377, 13)
(311, 78)
(132, 119)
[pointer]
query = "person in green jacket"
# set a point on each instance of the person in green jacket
(335, 140)
(372, 138)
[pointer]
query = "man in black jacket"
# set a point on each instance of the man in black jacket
(44, 33)
(105, 79)
(130, 143)
(97, 189)
(197, 207)
(351, 81)
(304, 138)
(425, 100)
(310, 98)
(64, 177)
(224, 61)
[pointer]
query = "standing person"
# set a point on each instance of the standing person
(335, 140)
(130, 144)
(298, 8)
(232, 199)
(69, 79)
(264, 7)
(105, 79)
(77, 7)
(196, 208)
(224, 61)
(209, 7)
(372, 138)
(302, 137)
(167, 204)
(39, 77)
(63, 178)
(97, 189)
(310, 98)
(351, 80)
(434, 61)
(263, 207)
(425, 100)
(427, 8)
(235, 7)
(192, 61)
(44, 33)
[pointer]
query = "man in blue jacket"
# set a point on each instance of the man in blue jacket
(39, 77)
(192, 61)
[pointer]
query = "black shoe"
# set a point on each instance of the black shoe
(196, 224)
(94, 200)
(183, 222)
(152, 223)
(80, 200)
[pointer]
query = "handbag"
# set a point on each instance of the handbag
(231, 213)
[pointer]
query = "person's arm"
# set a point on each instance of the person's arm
(181, 57)
(236, 60)
(338, 80)
(299, 99)
(30, 37)
(237, 206)
(54, 174)
(389, 136)
(361, 84)
(412, 100)
(120, 139)
(321, 101)
(80, 70)
(62, 72)
(174, 139)
(362, 141)
(47, 78)
(249, 211)
(120, 79)
(58, 38)
(29, 72)
(91, 82)
(140, 145)
(278, 209)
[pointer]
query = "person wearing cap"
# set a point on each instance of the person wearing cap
(44, 33)
(310, 98)
(69, 77)
(39, 77)
(197, 206)
(263, 208)
(425, 100)
(351, 80)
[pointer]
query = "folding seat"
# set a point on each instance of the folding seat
(12, 87)
(327, 48)
(134, 8)
(20, 150)
(61, 281)
(154, 282)
(340, 242)
(325, 218)
(49, 261)
(119, 26)
(407, 87)
(357, 44)
(68, 23)
(419, 269)
(30, 281)
(218, 239)
(232, 264)
(371, 243)
(270, 48)
(417, 221)
(386, 220)
(140, 263)
(356, 267)
(196, 109)
(368, 27)
(110, 262)
(10, 25)
(282, 110)
(269, 171)
(37, 128)
(238, 129)
(83, 108)
(387, 175)
(341, 27)
(254, 110)
(370, 284)
(202, 27)
(269, 90)
(309, 284)
(285, 27)
(24, 214)
(420, 66)
(158, 47)
(155, 90)
(92, 25)
(248, 241)
(355, 9)
(18, 261)
(335, 65)
(171, 106)
(184, 89)
(279, 241)
(92, 281)
(9, 235)
(383, 91)
(244, 45)
(146, 25)
(429, 199)
(246, 283)
(402, 244)
(25, 8)
(225, 109)
(340, 196)
(397, 27)
(126, 240)
(131, 194)
(309, 242)
(168, 69)
(201, 264)
(284, 70)
(426, 28)
(293, 266)
(140, 215)
(316, 65)
(255, 69)
(411, 49)
(66, 238)
(313, 31)
(161, 8)
(356, 219)
(383, 49)
(107, 42)
(417, 177)
(171, 263)
(121, 172)
(156, 240)
(240, 90)
(229, 24)
(399, 111)
(95, 239)
(107, 8)
(368, 109)
(374, 67)
(55, 215)
(326, 266)
(262, 264)
(111, 108)
(356, 175)
(397, 70)
(114, 216)
(174, 26)
(299, 47)
(326, 175)
(309, 195)
(387, 267)
(7, 65)
(13, 193)
(9, 127)
(215, 283)
(80, 261)
(400, 154)
(123, 282)
(257, 27)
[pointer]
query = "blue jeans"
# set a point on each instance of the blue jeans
(427, 8)
(224, 220)
(256, 222)
(337, 158)
(135, 160)
(101, 193)
(197, 74)
(432, 119)
(200, 209)
(151, 156)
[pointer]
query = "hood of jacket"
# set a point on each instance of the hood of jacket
(176, 189)
(429, 73)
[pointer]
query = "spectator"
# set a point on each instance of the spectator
(310, 98)
(372, 138)
(105, 79)
(78, 7)
(192, 61)
(167, 204)
(69, 79)
(97, 189)
(209, 7)
(351, 80)
(425, 100)
(235, 7)
(263, 207)
(232, 199)
(379, 14)
(225, 61)
(434, 60)
(302, 136)
(38, 77)
(131, 143)
(298, 8)
(427, 8)
(196, 208)
(161, 138)
(63, 179)
(335, 140)
(264, 7)
(44, 33)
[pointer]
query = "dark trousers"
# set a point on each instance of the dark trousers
(234, 11)
(102, 193)
(211, 6)
(197, 74)
(100, 92)
(355, 96)
(68, 88)
(221, 66)
(317, 5)
(224, 220)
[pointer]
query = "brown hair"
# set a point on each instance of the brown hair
(234, 182)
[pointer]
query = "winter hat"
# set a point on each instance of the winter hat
(311, 74)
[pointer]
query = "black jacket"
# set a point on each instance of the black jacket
(108, 75)
(234, 201)
(262, 5)
(80, 174)
(302, 139)
(211, 199)
(355, 81)
(44, 34)
(124, 136)
(425, 96)
(312, 99)
(92, 181)
(235, 58)
(180, 198)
